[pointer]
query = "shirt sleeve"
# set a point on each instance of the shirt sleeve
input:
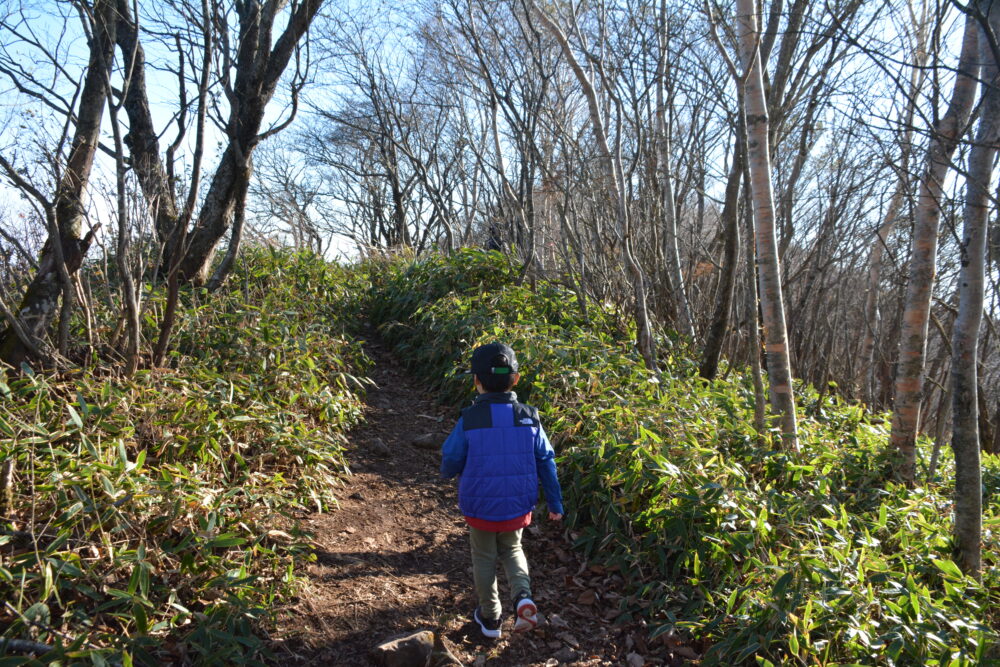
(453, 452)
(545, 465)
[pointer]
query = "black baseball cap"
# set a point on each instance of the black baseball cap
(493, 359)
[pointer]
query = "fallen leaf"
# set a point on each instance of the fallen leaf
(587, 597)
(557, 621)
(686, 652)
(565, 654)
(280, 536)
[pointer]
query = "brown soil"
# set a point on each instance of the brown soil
(394, 559)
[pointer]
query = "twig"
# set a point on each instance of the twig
(34, 345)
(23, 646)
(25, 255)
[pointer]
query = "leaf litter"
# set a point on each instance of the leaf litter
(393, 559)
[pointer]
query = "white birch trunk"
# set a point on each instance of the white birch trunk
(769, 271)
(965, 337)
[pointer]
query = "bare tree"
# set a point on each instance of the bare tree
(283, 195)
(769, 270)
(63, 211)
(664, 159)
(729, 219)
(894, 210)
(965, 344)
(615, 182)
(923, 259)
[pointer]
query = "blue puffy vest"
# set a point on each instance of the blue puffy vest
(500, 479)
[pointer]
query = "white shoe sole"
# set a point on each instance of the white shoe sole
(527, 616)
(492, 634)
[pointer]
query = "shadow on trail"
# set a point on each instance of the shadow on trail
(424, 559)
(393, 558)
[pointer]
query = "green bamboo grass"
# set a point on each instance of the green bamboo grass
(154, 518)
(756, 555)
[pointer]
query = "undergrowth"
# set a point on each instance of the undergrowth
(760, 556)
(153, 517)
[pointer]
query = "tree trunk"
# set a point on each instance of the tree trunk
(873, 316)
(235, 239)
(923, 260)
(965, 341)
(671, 252)
(753, 321)
(216, 214)
(129, 294)
(66, 246)
(7, 486)
(727, 283)
(142, 139)
(769, 270)
(994, 447)
(940, 430)
(258, 70)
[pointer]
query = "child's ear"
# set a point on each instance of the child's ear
(517, 377)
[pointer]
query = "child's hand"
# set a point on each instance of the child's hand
(555, 517)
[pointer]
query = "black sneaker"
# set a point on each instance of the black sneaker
(489, 626)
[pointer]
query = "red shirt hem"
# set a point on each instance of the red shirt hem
(516, 523)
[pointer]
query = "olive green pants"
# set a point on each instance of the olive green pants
(487, 548)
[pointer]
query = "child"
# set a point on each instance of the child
(500, 451)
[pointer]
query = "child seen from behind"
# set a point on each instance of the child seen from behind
(500, 452)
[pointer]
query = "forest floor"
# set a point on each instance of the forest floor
(394, 559)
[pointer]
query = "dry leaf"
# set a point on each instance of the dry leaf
(635, 660)
(280, 536)
(557, 621)
(686, 652)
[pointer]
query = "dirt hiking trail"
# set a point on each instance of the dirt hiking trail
(394, 559)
